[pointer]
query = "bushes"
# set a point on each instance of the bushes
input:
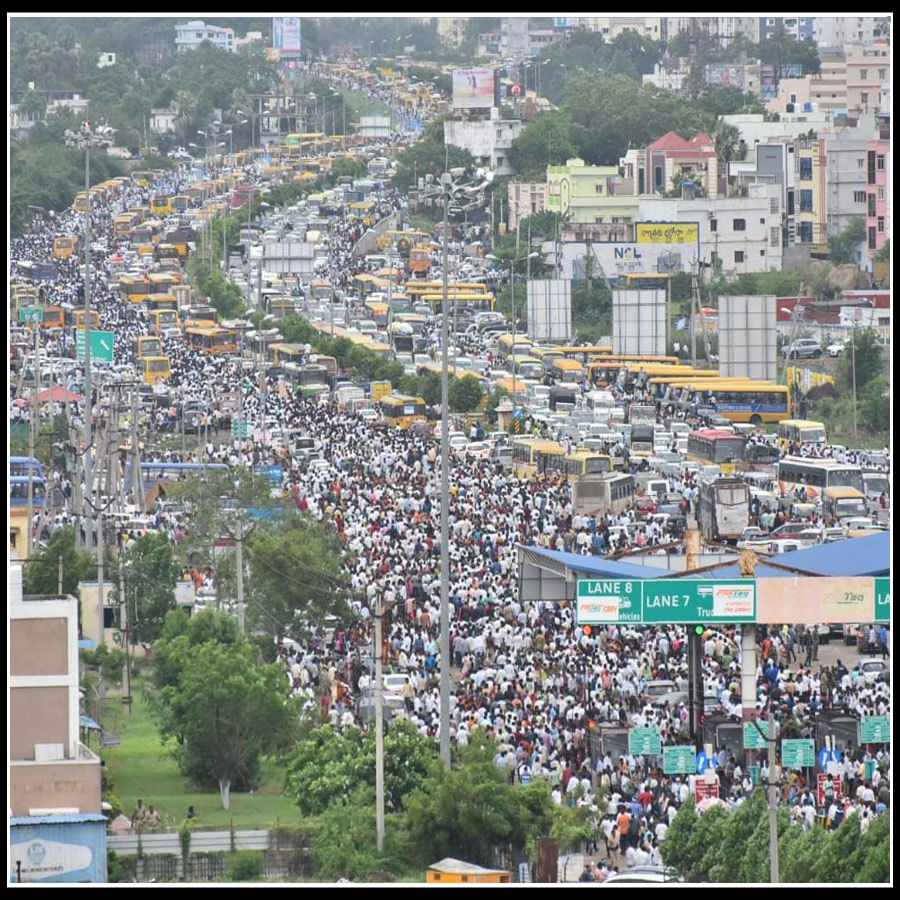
(246, 865)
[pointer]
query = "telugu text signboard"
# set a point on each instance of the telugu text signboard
(667, 232)
(755, 738)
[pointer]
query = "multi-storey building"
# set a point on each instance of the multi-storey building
(57, 830)
(878, 223)
(835, 31)
(592, 195)
(525, 199)
(797, 27)
(612, 26)
(672, 159)
(191, 35)
(723, 29)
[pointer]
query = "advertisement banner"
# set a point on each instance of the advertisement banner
(473, 88)
(668, 232)
(286, 34)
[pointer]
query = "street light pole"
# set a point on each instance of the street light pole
(446, 185)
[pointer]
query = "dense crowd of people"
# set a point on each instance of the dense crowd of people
(526, 675)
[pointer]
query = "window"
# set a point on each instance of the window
(806, 201)
(806, 169)
(881, 193)
(872, 238)
(739, 225)
(762, 253)
(773, 204)
(881, 224)
(762, 221)
(863, 74)
(738, 256)
(805, 232)
(864, 99)
(871, 204)
(882, 74)
(598, 188)
(879, 162)
(713, 224)
(859, 196)
(860, 163)
(774, 236)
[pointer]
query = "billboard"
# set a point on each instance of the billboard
(747, 337)
(639, 322)
(474, 88)
(286, 34)
(668, 232)
(550, 309)
(618, 259)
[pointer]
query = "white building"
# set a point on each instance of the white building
(192, 34)
(488, 140)
(525, 199)
(723, 29)
(743, 234)
(846, 180)
(105, 59)
(834, 31)
(162, 121)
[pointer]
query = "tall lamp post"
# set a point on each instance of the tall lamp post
(512, 301)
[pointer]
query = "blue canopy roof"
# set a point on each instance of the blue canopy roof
(864, 557)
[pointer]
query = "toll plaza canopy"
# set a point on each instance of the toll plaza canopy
(552, 574)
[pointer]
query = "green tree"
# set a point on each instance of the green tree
(328, 765)
(845, 247)
(545, 141)
(465, 394)
(429, 156)
(296, 575)
(42, 570)
(225, 709)
(860, 362)
(150, 575)
(470, 809)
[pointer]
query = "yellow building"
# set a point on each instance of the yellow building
(592, 195)
(455, 871)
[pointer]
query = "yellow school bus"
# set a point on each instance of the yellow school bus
(155, 368)
(401, 410)
(64, 247)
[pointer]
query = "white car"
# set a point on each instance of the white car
(835, 349)
(478, 450)
(369, 415)
(457, 442)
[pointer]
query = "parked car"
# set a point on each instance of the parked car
(872, 670)
(803, 348)
(835, 349)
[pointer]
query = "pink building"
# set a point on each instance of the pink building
(877, 193)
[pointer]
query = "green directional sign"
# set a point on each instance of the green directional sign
(607, 602)
(31, 314)
(102, 345)
(679, 760)
(671, 601)
(755, 774)
(240, 428)
(882, 599)
(753, 740)
(687, 600)
(645, 742)
(875, 730)
(798, 752)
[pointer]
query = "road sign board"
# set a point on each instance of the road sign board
(102, 345)
(686, 600)
(608, 601)
(240, 428)
(679, 760)
(31, 314)
(798, 752)
(753, 739)
(754, 772)
(705, 789)
(882, 599)
(644, 742)
(875, 730)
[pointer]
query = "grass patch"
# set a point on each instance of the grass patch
(142, 766)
